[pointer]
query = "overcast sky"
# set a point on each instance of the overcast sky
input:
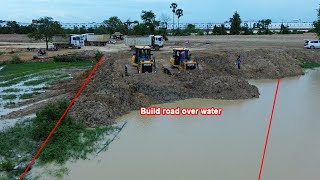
(195, 11)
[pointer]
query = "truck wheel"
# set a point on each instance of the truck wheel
(79, 47)
(312, 47)
(157, 48)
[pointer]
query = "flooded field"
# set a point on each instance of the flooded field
(226, 147)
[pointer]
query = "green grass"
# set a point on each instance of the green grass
(26, 96)
(1, 53)
(40, 89)
(17, 70)
(9, 104)
(7, 165)
(15, 73)
(37, 82)
(310, 65)
(9, 97)
(17, 140)
(29, 95)
(11, 90)
(14, 81)
(70, 140)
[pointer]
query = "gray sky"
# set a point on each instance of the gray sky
(195, 11)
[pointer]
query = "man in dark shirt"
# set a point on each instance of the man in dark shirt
(238, 62)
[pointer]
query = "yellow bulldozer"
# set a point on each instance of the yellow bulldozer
(181, 61)
(142, 61)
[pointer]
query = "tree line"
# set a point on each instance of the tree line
(150, 25)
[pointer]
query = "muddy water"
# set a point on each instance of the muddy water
(225, 148)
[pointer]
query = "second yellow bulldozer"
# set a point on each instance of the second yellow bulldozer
(181, 61)
(142, 61)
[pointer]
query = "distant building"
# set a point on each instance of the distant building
(295, 24)
(79, 25)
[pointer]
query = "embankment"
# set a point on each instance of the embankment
(110, 94)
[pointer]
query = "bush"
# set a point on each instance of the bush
(98, 55)
(15, 60)
(65, 138)
(297, 32)
(309, 65)
(70, 139)
(7, 166)
(200, 33)
(68, 58)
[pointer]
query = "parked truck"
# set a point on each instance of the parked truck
(91, 39)
(67, 41)
(155, 42)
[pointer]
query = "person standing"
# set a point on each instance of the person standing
(239, 62)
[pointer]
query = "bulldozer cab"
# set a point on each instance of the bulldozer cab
(182, 59)
(181, 55)
(142, 59)
(142, 53)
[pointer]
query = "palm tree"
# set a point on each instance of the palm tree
(174, 7)
(179, 13)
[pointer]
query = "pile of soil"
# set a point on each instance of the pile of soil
(256, 64)
(110, 94)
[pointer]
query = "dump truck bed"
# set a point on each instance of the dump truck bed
(98, 38)
(138, 41)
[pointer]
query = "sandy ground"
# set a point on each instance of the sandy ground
(11, 43)
(245, 42)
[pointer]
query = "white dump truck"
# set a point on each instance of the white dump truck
(67, 41)
(91, 39)
(155, 42)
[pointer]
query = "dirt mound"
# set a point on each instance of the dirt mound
(109, 94)
(258, 63)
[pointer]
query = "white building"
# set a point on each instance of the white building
(293, 25)
(79, 25)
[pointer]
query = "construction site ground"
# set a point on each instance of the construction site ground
(110, 93)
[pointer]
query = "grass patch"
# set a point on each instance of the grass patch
(26, 96)
(1, 53)
(29, 95)
(17, 134)
(98, 55)
(18, 70)
(9, 97)
(7, 165)
(14, 81)
(11, 90)
(37, 82)
(68, 58)
(310, 65)
(9, 104)
(17, 140)
(70, 141)
(40, 89)
(16, 60)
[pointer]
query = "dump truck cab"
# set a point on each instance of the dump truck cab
(143, 60)
(182, 60)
